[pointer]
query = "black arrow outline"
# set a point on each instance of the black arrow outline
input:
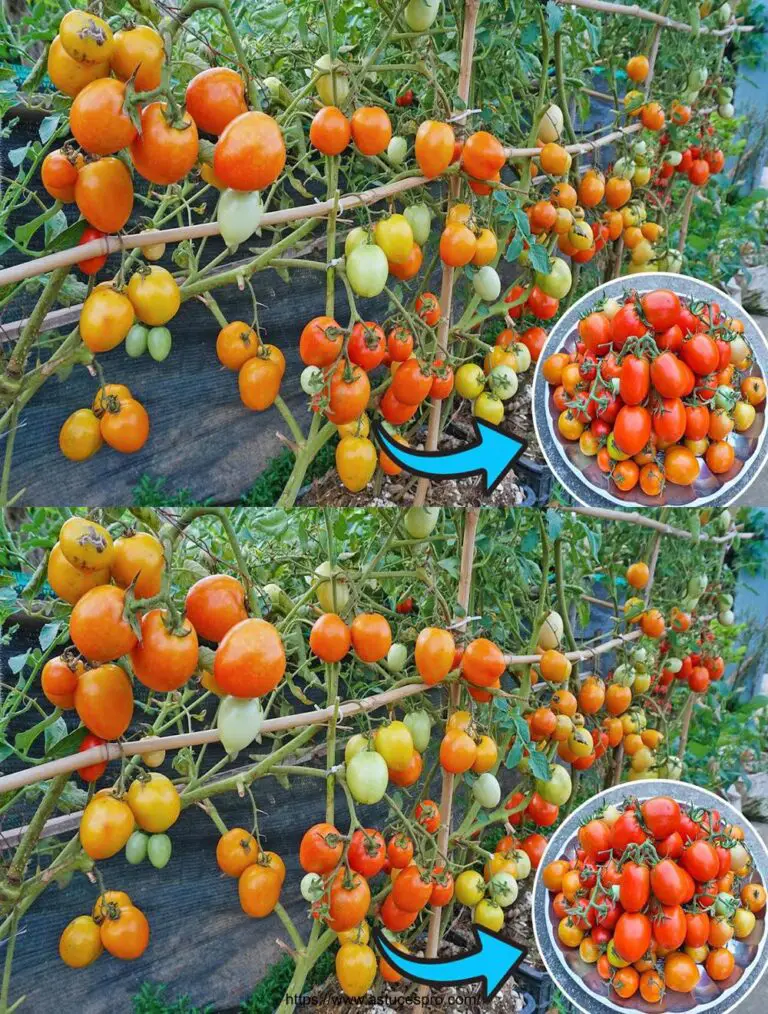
(378, 429)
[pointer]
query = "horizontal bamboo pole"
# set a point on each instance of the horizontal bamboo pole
(112, 244)
(113, 751)
(575, 656)
(607, 514)
(633, 11)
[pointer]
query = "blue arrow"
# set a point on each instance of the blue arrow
(492, 453)
(491, 962)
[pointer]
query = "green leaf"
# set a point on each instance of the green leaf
(67, 745)
(539, 258)
(48, 128)
(555, 15)
(555, 522)
(539, 765)
(48, 635)
(17, 155)
(514, 756)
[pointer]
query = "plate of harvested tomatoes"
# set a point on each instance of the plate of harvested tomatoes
(652, 896)
(651, 391)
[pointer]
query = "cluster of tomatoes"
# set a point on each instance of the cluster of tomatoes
(655, 384)
(115, 925)
(653, 894)
(107, 825)
(115, 418)
(108, 621)
(260, 873)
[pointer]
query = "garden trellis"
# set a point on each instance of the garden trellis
(285, 758)
(21, 384)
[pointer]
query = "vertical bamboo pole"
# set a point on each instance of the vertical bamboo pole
(446, 795)
(471, 9)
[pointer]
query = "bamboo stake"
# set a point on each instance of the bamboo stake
(638, 519)
(446, 286)
(634, 11)
(465, 587)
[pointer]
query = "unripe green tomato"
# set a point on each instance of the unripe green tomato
(333, 89)
(697, 585)
(640, 147)
(159, 850)
(397, 656)
(673, 664)
(312, 887)
(557, 789)
(355, 745)
(420, 727)
(239, 722)
(727, 618)
(522, 863)
(724, 94)
(397, 149)
(136, 341)
(367, 269)
(502, 381)
(312, 380)
(522, 357)
(697, 78)
(356, 237)
(420, 220)
(159, 343)
(503, 889)
(420, 522)
(725, 601)
(487, 791)
(625, 168)
(727, 110)
(367, 777)
(557, 282)
(487, 283)
(136, 848)
(420, 14)
(673, 157)
(488, 407)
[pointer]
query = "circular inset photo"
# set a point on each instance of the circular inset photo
(652, 898)
(650, 391)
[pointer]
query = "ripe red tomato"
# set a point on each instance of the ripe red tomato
(367, 344)
(632, 429)
(367, 852)
(661, 308)
(627, 324)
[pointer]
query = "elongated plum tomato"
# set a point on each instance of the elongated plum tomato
(164, 659)
(104, 194)
(434, 653)
(434, 147)
(97, 626)
(164, 152)
(214, 604)
(250, 153)
(104, 701)
(214, 98)
(250, 660)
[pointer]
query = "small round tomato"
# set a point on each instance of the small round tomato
(98, 627)
(235, 851)
(154, 801)
(214, 97)
(125, 425)
(105, 826)
(98, 119)
(371, 638)
(321, 849)
(138, 53)
(371, 130)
